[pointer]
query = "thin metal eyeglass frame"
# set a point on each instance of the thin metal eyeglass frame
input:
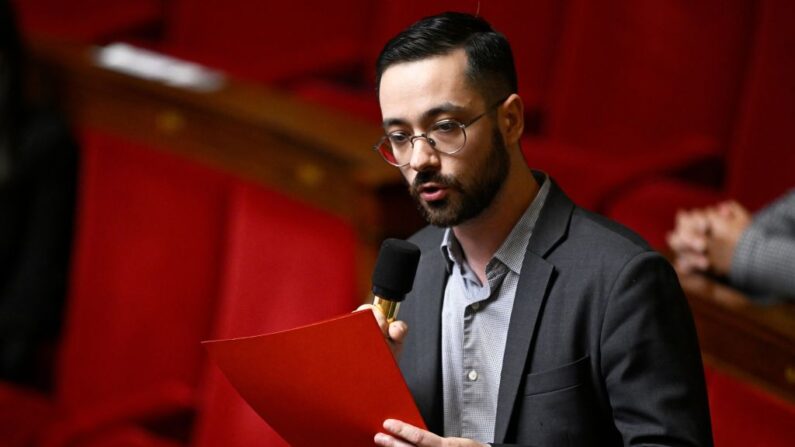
(431, 141)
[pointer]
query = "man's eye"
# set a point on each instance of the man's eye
(445, 126)
(398, 138)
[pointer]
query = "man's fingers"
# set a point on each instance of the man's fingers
(685, 265)
(412, 434)
(677, 242)
(700, 222)
(398, 331)
(384, 440)
(693, 222)
(730, 208)
(683, 242)
(693, 262)
(401, 434)
(394, 332)
(689, 263)
(379, 317)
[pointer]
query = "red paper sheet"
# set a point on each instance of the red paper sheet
(330, 383)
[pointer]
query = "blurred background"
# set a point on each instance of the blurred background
(174, 171)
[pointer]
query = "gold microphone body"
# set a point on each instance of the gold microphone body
(387, 307)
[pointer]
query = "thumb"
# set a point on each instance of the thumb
(397, 331)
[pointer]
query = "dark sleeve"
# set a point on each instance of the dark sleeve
(33, 298)
(762, 263)
(650, 360)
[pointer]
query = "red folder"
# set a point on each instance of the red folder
(330, 383)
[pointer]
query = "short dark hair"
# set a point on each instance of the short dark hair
(490, 67)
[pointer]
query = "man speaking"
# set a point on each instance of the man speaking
(531, 320)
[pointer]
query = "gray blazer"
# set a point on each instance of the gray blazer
(764, 259)
(601, 348)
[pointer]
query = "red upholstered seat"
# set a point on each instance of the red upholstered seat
(593, 178)
(761, 160)
(145, 277)
(264, 40)
(646, 86)
(288, 265)
(746, 416)
(86, 20)
(146, 271)
(127, 436)
(651, 208)
(22, 413)
(533, 28)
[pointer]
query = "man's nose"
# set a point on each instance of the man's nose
(423, 155)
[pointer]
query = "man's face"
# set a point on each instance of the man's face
(448, 189)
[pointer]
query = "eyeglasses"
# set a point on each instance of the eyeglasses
(446, 136)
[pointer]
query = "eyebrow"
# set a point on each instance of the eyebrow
(446, 107)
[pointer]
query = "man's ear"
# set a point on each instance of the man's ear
(512, 119)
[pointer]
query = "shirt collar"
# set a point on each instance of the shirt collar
(511, 252)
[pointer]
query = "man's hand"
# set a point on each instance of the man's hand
(401, 434)
(727, 221)
(704, 240)
(688, 241)
(394, 333)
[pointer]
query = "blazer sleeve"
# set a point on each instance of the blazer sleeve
(762, 261)
(650, 359)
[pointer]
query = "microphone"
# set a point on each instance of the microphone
(393, 276)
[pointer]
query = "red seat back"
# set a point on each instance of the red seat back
(762, 161)
(288, 265)
(533, 28)
(88, 20)
(266, 40)
(635, 72)
(147, 252)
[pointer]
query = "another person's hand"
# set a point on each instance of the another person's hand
(394, 333)
(688, 240)
(727, 222)
(401, 434)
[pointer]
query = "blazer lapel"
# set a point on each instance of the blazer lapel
(531, 292)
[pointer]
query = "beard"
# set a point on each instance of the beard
(470, 194)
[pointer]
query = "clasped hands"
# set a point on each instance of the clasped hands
(398, 433)
(704, 239)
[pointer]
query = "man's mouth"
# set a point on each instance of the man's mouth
(432, 192)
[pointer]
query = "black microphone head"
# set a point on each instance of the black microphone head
(395, 268)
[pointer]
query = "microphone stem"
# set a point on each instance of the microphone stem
(387, 307)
